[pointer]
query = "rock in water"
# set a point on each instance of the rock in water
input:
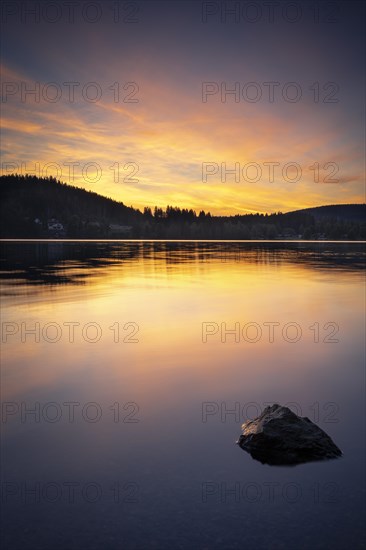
(279, 437)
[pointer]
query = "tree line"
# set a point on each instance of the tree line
(33, 207)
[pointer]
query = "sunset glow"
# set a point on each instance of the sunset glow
(170, 106)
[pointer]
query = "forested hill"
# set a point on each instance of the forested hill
(346, 212)
(31, 205)
(34, 207)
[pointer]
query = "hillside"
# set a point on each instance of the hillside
(34, 207)
(346, 212)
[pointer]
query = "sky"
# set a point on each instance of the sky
(230, 107)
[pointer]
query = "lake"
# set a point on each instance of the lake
(128, 369)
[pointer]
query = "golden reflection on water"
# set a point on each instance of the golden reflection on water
(168, 292)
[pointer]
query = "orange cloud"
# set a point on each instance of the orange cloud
(164, 139)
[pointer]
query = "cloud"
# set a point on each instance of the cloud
(169, 133)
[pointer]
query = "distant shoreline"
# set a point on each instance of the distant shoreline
(47, 209)
(183, 241)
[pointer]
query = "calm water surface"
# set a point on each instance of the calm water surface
(123, 352)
